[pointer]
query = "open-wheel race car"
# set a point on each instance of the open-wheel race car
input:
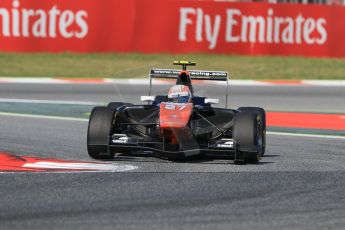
(178, 124)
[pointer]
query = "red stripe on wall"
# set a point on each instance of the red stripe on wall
(306, 120)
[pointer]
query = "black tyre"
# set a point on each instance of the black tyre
(115, 105)
(100, 127)
(262, 114)
(247, 132)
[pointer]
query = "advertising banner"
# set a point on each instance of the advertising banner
(61, 25)
(240, 28)
(173, 26)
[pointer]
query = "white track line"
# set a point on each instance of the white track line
(49, 102)
(33, 80)
(100, 167)
(324, 82)
(43, 117)
(76, 168)
(306, 135)
(86, 120)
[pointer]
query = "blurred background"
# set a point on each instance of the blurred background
(264, 40)
(61, 58)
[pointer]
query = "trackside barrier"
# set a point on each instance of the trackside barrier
(174, 26)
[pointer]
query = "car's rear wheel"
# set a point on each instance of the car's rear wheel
(99, 130)
(248, 134)
(262, 113)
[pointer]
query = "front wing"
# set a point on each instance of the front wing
(225, 147)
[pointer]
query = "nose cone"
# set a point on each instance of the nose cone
(174, 115)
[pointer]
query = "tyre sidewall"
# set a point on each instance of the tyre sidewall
(99, 130)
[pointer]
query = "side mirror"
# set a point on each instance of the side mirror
(147, 98)
(211, 101)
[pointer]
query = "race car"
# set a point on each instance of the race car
(178, 124)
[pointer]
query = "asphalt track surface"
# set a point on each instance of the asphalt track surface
(298, 185)
(285, 98)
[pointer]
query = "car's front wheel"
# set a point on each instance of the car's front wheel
(100, 127)
(262, 113)
(248, 134)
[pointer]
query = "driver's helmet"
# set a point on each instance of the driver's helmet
(179, 94)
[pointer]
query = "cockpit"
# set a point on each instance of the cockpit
(180, 99)
(179, 94)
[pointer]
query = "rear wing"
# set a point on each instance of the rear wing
(194, 74)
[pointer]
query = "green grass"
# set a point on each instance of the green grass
(138, 65)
